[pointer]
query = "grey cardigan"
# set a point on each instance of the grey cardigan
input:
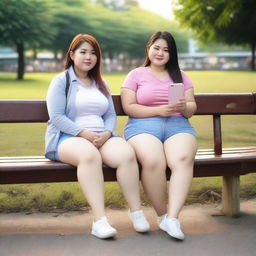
(62, 113)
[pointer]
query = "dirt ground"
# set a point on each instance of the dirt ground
(207, 231)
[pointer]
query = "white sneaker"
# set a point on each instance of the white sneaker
(161, 222)
(139, 221)
(102, 228)
(172, 227)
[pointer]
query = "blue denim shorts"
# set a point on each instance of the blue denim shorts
(158, 126)
(63, 136)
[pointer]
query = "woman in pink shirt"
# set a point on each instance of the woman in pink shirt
(159, 131)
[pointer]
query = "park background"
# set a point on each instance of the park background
(35, 35)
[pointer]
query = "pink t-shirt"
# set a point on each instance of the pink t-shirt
(150, 91)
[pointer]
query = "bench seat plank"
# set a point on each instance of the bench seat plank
(33, 169)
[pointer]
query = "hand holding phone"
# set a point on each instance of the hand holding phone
(175, 93)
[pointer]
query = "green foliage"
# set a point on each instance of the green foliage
(231, 22)
(51, 25)
(25, 21)
(127, 32)
(70, 18)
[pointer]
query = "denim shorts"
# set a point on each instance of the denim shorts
(158, 126)
(63, 136)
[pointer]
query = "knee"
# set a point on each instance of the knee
(181, 160)
(92, 157)
(127, 155)
(186, 159)
(153, 164)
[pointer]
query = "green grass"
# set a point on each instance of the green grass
(14, 140)
(35, 84)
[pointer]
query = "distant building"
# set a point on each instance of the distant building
(193, 60)
(217, 61)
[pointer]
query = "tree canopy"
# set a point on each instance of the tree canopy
(231, 22)
(51, 25)
(24, 23)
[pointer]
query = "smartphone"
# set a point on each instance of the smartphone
(175, 93)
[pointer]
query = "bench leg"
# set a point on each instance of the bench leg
(231, 195)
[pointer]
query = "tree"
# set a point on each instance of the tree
(69, 19)
(24, 23)
(128, 31)
(231, 22)
(51, 25)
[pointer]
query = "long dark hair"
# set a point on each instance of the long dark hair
(172, 65)
(95, 72)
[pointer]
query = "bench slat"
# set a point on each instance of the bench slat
(201, 153)
(33, 169)
(15, 111)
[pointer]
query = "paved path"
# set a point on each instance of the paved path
(67, 234)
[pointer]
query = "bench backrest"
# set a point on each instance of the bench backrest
(26, 111)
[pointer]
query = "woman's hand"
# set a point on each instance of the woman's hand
(97, 139)
(180, 105)
(165, 110)
(168, 110)
(101, 138)
(88, 135)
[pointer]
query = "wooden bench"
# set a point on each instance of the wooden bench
(229, 163)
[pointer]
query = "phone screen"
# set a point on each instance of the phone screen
(175, 93)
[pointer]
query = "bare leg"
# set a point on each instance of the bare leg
(83, 154)
(150, 154)
(180, 151)
(117, 153)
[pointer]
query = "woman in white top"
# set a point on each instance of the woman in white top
(80, 132)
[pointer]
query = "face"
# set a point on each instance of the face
(84, 58)
(158, 53)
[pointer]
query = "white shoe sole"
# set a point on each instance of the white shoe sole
(176, 236)
(142, 230)
(108, 235)
(163, 227)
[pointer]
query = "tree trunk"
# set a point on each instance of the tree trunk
(21, 61)
(56, 55)
(253, 57)
(34, 53)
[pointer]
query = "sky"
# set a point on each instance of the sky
(161, 7)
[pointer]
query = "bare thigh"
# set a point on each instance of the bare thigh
(180, 147)
(115, 151)
(75, 150)
(149, 150)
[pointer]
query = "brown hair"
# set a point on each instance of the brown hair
(172, 65)
(95, 72)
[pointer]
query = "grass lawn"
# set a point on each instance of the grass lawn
(14, 140)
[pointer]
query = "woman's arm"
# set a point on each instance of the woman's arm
(133, 109)
(56, 105)
(187, 106)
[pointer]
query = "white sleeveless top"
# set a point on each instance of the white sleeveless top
(90, 105)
